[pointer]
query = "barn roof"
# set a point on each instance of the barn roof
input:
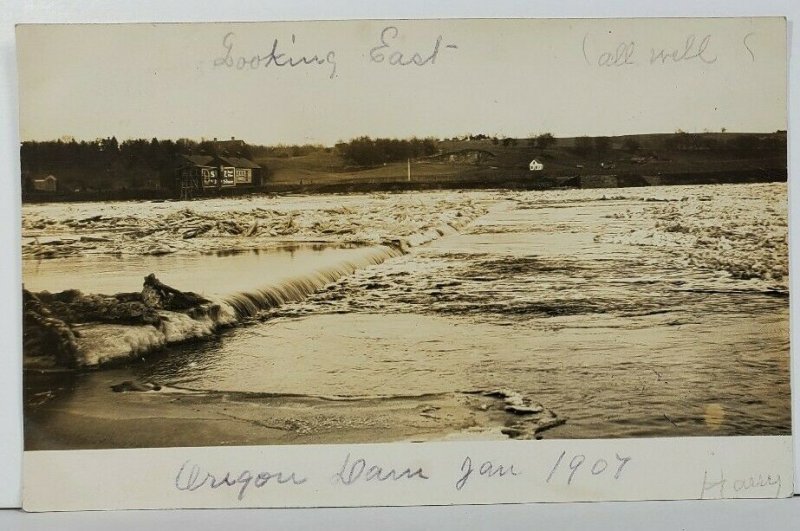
(197, 160)
(208, 160)
(239, 162)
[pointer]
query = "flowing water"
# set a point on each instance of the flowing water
(652, 312)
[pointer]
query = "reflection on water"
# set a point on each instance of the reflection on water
(219, 273)
(564, 301)
(713, 416)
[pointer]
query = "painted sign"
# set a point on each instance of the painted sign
(209, 177)
(244, 176)
(228, 176)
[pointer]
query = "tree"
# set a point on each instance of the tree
(545, 140)
(109, 145)
(365, 151)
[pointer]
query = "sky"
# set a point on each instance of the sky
(515, 78)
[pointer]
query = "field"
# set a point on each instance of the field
(507, 165)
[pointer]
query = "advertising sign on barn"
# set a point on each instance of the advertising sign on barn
(244, 176)
(228, 178)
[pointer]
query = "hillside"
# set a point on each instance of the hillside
(140, 169)
(706, 156)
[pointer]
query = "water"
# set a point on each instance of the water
(625, 315)
(218, 273)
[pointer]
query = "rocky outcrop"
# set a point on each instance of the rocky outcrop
(46, 341)
(156, 294)
(135, 386)
(54, 323)
(74, 306)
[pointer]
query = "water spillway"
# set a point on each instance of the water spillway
(296, 288)
(238, 286)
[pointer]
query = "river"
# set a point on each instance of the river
(628, 312)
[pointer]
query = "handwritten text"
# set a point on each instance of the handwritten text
(192, 478)
(275, 57)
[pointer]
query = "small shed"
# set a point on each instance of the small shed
(48, 184)
(535, 165)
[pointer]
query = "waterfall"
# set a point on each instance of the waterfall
(99, 344)
(293, 289)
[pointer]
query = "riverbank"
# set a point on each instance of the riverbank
(460, 178)
(82, 412)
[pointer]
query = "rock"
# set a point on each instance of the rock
(524, 410)
(45, 336)
(512, 432)
(72, 306)
(156, 294)
(130, 385)
(158, 250)
(549, 424)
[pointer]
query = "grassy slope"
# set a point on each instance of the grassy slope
(511, 162)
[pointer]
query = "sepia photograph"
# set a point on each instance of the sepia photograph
(303, 233)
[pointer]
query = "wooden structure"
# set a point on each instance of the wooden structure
(48, 184)
(199, 175)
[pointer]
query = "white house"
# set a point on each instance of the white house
(536, 165)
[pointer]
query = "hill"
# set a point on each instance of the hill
(141, 169)
(485, 162)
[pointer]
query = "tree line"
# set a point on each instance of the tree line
(683, 141)
(106, 163)
(366, 151)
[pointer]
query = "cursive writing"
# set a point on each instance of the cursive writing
(741, 486)
(357, 470)
(747, 46)
(624, 53)
(192, 478)
(486, 469)
(378, 54)
(274, 57)
(691, 49)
